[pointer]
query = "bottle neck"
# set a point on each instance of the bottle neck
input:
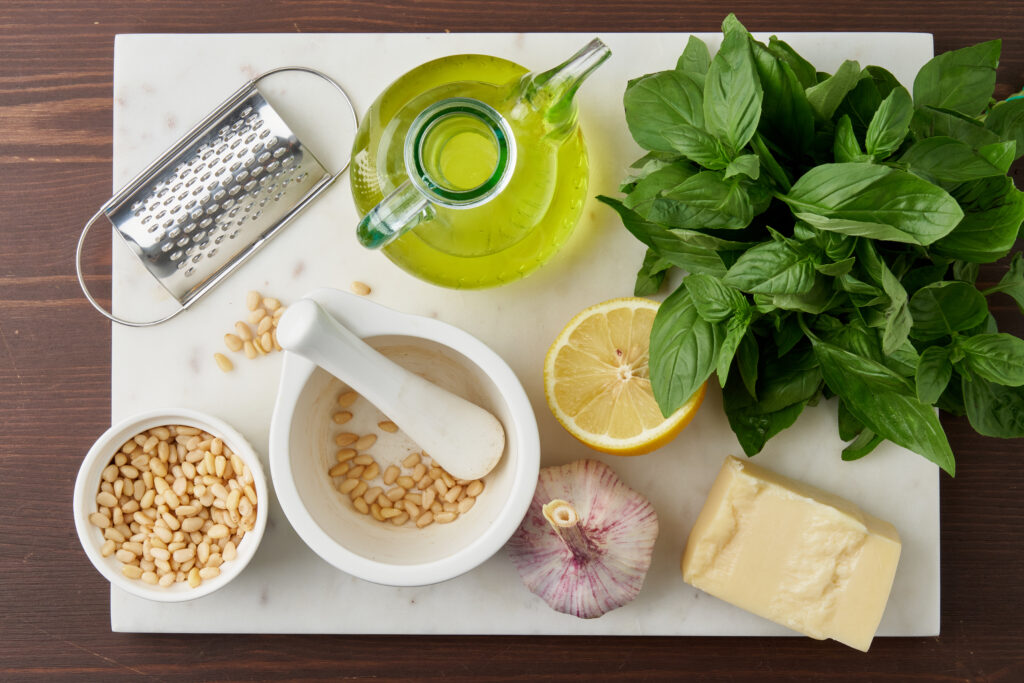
(552, 92)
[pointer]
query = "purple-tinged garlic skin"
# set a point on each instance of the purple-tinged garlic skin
(597, 565)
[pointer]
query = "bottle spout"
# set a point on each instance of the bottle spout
(552, 92)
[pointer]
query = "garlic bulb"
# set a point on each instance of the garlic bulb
(585, 544)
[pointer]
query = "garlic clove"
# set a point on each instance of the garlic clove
(586, 542)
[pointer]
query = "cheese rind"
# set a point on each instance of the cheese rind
(794, 554)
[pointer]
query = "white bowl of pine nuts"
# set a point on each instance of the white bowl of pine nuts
(170, 505)
(366, 498)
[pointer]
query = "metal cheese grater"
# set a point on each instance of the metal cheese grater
(215, 197)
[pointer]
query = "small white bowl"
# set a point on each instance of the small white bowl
(302, 450)
(88, 483)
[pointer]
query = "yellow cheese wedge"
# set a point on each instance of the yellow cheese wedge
(792, 553)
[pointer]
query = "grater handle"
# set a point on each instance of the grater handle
(88, 295)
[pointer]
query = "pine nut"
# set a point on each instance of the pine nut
(347, 485)
(345, 455)
(388, 513)
(395, 494)
(209, 573)
(113, 534)
(406, 482)
(375, 511)
(419, 472)
(428, 497)
(400, 519)
(356, 472)
(266, 324)
(345, 438)
(271, 304)
(453, 494)
(107, 549)
(125, 556)
(266, 342)
(385, 502)
(218, 531)
(475, 488)
(425, 483)
(359, 490)
(360, 288)
(414, 497)
(182, 555)
(252, 300)
(342, 417)
(193, 577)
(372, 470)
(346, 399)
(411, 508)
(106, 499)
(388, 426)
(391, 475)
(465, 504)
(338, 470)
(233, 342)
(362, 460)
(411, 461)
(131, 571)
(223, 362)
(371, 494)
(447, 479)
(440, 487)
(365, 441)
(436, 507)
(192, 524)
(256, 315)
(230, 552)
(361, 505)
(250, 350)
(445, 517)
(450, 507)
(425, 519)
(102, 521)
(109, 473)
(435, 473)
(203, 551)
(166, 580)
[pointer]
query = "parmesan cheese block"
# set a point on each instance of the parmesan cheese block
(792, 553)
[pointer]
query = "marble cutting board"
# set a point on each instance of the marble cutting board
(164, 83)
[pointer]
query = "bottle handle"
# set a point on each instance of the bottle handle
(401, 210)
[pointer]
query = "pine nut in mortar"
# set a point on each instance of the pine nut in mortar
(416, 483)
(177, 519)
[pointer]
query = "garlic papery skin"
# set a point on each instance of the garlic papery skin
(586, 542)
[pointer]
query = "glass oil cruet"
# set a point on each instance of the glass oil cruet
(470, 172)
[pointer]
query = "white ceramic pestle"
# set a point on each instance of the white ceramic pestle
(462, 437)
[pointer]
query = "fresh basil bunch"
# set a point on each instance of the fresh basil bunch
(830, 228)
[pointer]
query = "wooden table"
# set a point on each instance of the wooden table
(55, 151)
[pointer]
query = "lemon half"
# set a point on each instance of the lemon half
(597, 381)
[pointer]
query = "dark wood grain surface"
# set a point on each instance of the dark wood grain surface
(55, 167)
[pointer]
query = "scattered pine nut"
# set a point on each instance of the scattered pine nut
(250, 350)
(252, 300)
(223, 362)
(360, 288)
(244, 333)
(271, 304)
(233, 342)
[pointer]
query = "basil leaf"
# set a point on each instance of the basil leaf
(704, 201)
(715, 301)
(849, 426)
(697, 145)
(945, 160)
(861, 103)
(651, 274)
(932, 122)
(873, 201)
(943, 308)
(735, 329)
(818, 299)
(994, 211)
(695, 58)
(1007, 121)
(786, 115)
(898, 320)
(748, 165)
(732, 91)
(1000, 154)
(884, 402)
(961, 80)
(684, 351)
(836, 268)
(772, 268)
(669, 246)
(651, 186)
(994, 409)
(933, 373)
(768, 162)
(890, 124)
(998, 357)
(1012, 283)
(660, 102)
(746, 362)
(804, 70)
(965, 271)
(753, 429)
(846, 148)
(826, 96)
(865, 442)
